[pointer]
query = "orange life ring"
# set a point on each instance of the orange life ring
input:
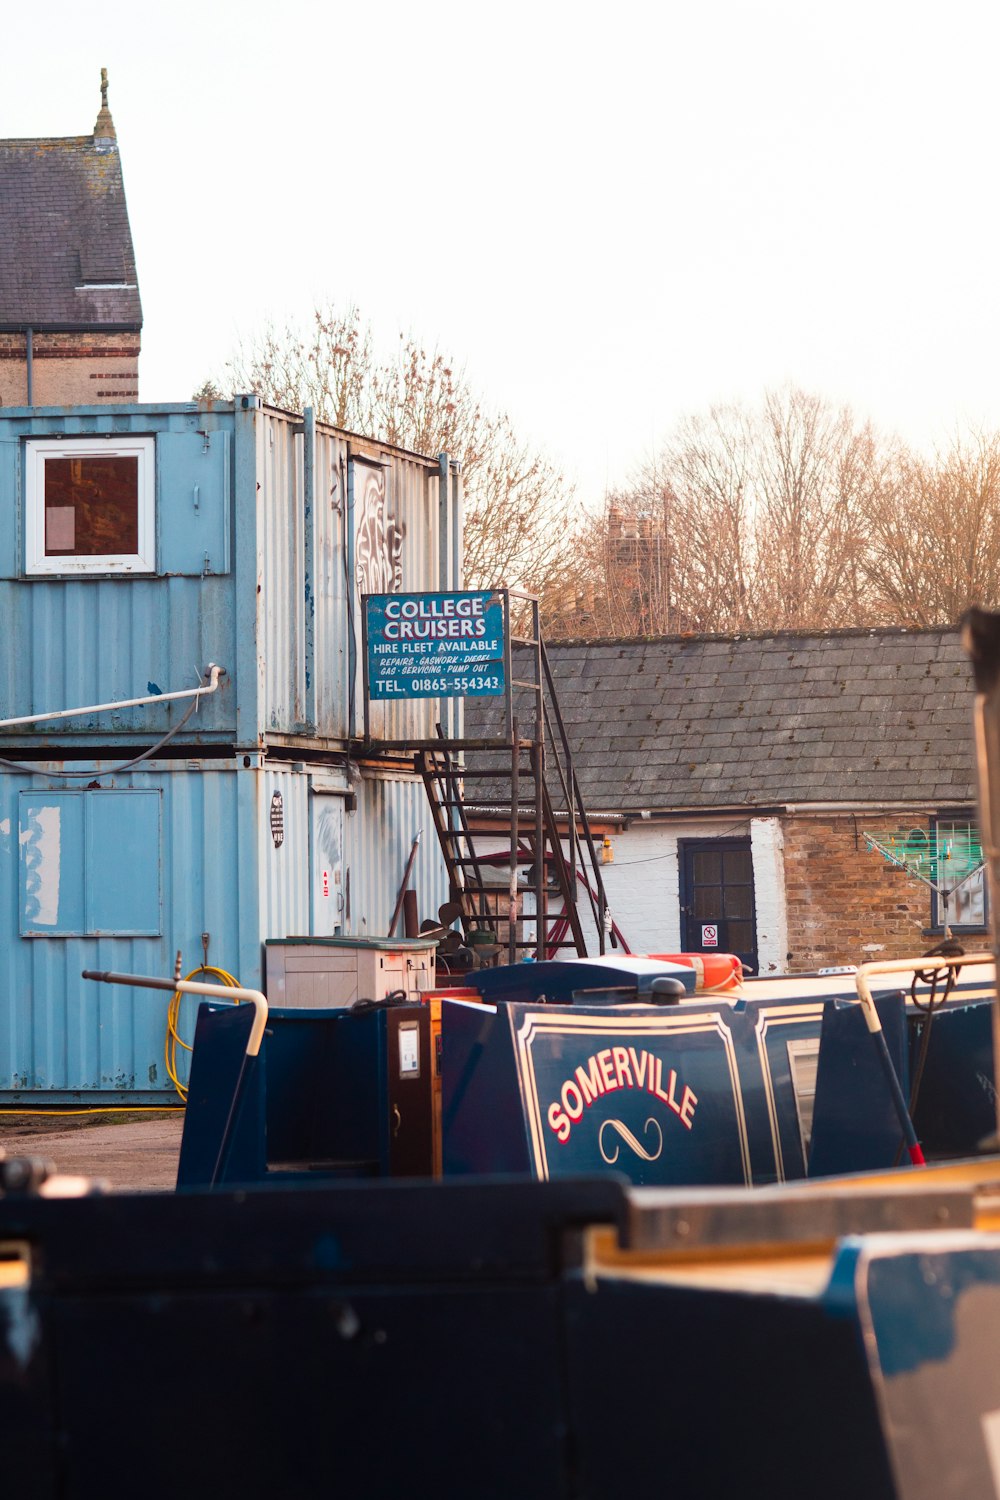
(715, 972)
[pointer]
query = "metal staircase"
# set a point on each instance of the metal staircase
(522, 864)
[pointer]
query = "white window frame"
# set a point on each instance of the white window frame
(38, 451)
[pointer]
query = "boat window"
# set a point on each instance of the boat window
(615, 996)
(803, 1063)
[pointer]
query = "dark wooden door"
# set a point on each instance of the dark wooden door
(718, 913)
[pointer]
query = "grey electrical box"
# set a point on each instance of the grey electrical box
(320, 973)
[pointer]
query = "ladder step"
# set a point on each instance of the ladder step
(486, 773)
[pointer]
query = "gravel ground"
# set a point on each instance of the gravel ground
(128, 1153)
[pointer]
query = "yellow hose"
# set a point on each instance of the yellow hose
(172, 1042)
(103, 1109)
(173, 1038)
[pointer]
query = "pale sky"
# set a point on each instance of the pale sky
(612, 215)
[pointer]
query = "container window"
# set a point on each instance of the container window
(89, 505)
(89, 863)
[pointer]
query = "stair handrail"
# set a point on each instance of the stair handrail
(576, 806)
(571, 862)
(452, 768)
(544, 688)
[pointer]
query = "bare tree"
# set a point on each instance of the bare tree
(815, 467)
(935, 533)
(747, 520)
(519, 509)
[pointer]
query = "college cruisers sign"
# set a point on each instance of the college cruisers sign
(433, 646)
(647, 1091)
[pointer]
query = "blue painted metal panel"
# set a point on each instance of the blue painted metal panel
(855, 1128)
(95, 640)
(123, 860)
(51, 857)
(193, 501)
(260, 564)
(89, 863)
(196, 846)
(64, 1036)
(247, 603)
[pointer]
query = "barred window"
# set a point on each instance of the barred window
(959, 892)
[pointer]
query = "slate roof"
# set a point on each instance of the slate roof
(694, 723)
(64, 235)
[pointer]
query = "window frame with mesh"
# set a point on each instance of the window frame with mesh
(958, 910)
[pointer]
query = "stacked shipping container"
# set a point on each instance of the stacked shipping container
(265, 815)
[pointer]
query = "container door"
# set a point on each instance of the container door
(717, 899)
(327, 860)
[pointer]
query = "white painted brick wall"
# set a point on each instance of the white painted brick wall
(643, 887)
(767, 847)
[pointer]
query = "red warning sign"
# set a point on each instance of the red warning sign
(710, 936)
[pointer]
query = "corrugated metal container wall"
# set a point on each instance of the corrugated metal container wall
(143, 866)
(245, 497)
(377, 842)
(281, 544)
(413, 507)
(331, 590)
(123, 875)
(336, 522)
(95, 640)
(280, 810)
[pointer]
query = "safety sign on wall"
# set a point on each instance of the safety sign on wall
(709, 935)
(277, 820)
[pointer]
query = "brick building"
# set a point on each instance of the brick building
(743, 781)
(70, 317)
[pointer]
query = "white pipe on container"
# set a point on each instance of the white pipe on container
(212, 671)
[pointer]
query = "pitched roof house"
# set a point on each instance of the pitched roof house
(70, 316)
(748, 784)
